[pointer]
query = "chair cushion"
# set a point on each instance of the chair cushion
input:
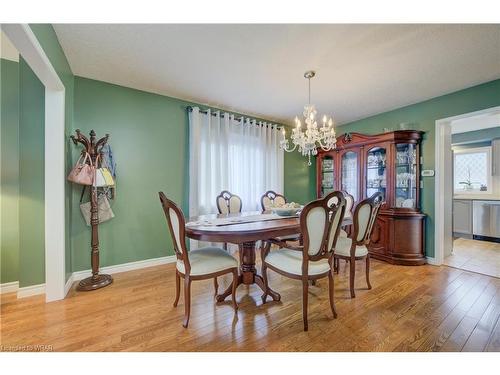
(291, 261)
(343, 247)
(208, 260)
(343, 233)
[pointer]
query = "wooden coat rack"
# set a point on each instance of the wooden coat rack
(93, 148)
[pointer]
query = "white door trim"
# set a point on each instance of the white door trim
(32, 52)
(444, 184)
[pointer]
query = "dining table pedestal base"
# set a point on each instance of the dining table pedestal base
(248, 273)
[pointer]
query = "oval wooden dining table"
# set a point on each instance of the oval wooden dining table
(245, 235)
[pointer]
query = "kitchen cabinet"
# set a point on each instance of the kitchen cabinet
(462, 216)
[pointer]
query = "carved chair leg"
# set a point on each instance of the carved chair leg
(331, 293)
(225, 246)
(187, 300)
(216, 286)
(368, 271)
(336, 265)
(233, 291)
(305, 288)
(352, 274)
(177, 288)
(313, 282)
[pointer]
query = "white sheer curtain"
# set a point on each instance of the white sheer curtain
(241, 156)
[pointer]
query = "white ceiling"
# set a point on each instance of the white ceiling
(362, 70)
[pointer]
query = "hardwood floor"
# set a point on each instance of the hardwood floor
(423, 308)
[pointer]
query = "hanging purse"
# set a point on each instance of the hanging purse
(82, 173)
(104, 211)
(102, 176)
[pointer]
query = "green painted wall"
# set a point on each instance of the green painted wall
(31, 178)
(48, 40)
(299, 178)
(149, 137)
(9, 189)
(476, 136)
(422, 116)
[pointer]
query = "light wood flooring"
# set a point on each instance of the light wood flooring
(424, 308)
(476, 256)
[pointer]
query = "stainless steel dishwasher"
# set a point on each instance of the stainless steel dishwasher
(486, 220)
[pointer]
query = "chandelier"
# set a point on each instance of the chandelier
(313, 137)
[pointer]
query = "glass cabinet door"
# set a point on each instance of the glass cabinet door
(327, 175)
(376, 172)
(406, 176)
(349, 173)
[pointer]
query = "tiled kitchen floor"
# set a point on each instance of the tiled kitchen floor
(476, 256)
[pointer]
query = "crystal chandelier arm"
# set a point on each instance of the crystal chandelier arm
(287, 149)
(326, 147)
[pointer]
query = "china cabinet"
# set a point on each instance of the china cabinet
(388, 163)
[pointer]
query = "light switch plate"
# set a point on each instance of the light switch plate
(428, 173)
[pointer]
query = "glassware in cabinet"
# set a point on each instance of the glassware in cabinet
(327, 175)
(405, 178)
(376, 171)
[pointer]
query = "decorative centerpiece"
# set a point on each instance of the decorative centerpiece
(286, 209)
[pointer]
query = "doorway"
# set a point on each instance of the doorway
(25, 42)
(468, 191)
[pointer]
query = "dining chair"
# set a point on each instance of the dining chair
(349, 203)
(355, 248)
(228, 203)
(270, 198)
(201, 264)
(320, 223)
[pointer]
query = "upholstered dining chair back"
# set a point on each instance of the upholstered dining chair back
(365, 215)
(177, 227)
(228, 203)
(349, 203)
(320, 223)
(271, 198)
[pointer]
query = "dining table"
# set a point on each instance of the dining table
(245, 229)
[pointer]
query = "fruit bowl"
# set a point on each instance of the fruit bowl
(288, 209)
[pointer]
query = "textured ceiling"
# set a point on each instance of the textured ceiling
(362, 70)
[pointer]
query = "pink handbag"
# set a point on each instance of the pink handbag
(83, 173)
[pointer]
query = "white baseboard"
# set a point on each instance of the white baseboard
(11, 287)
(69, 284)
(433, 261)
(79, 275)
(31, 290)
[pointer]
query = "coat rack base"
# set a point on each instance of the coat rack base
(94, 282)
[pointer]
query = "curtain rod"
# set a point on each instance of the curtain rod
(213, 113)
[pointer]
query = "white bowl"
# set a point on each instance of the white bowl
(286, 211)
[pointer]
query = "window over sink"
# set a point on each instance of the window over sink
(472, 171)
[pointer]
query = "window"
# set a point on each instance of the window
(239, 155)
(472, 171)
